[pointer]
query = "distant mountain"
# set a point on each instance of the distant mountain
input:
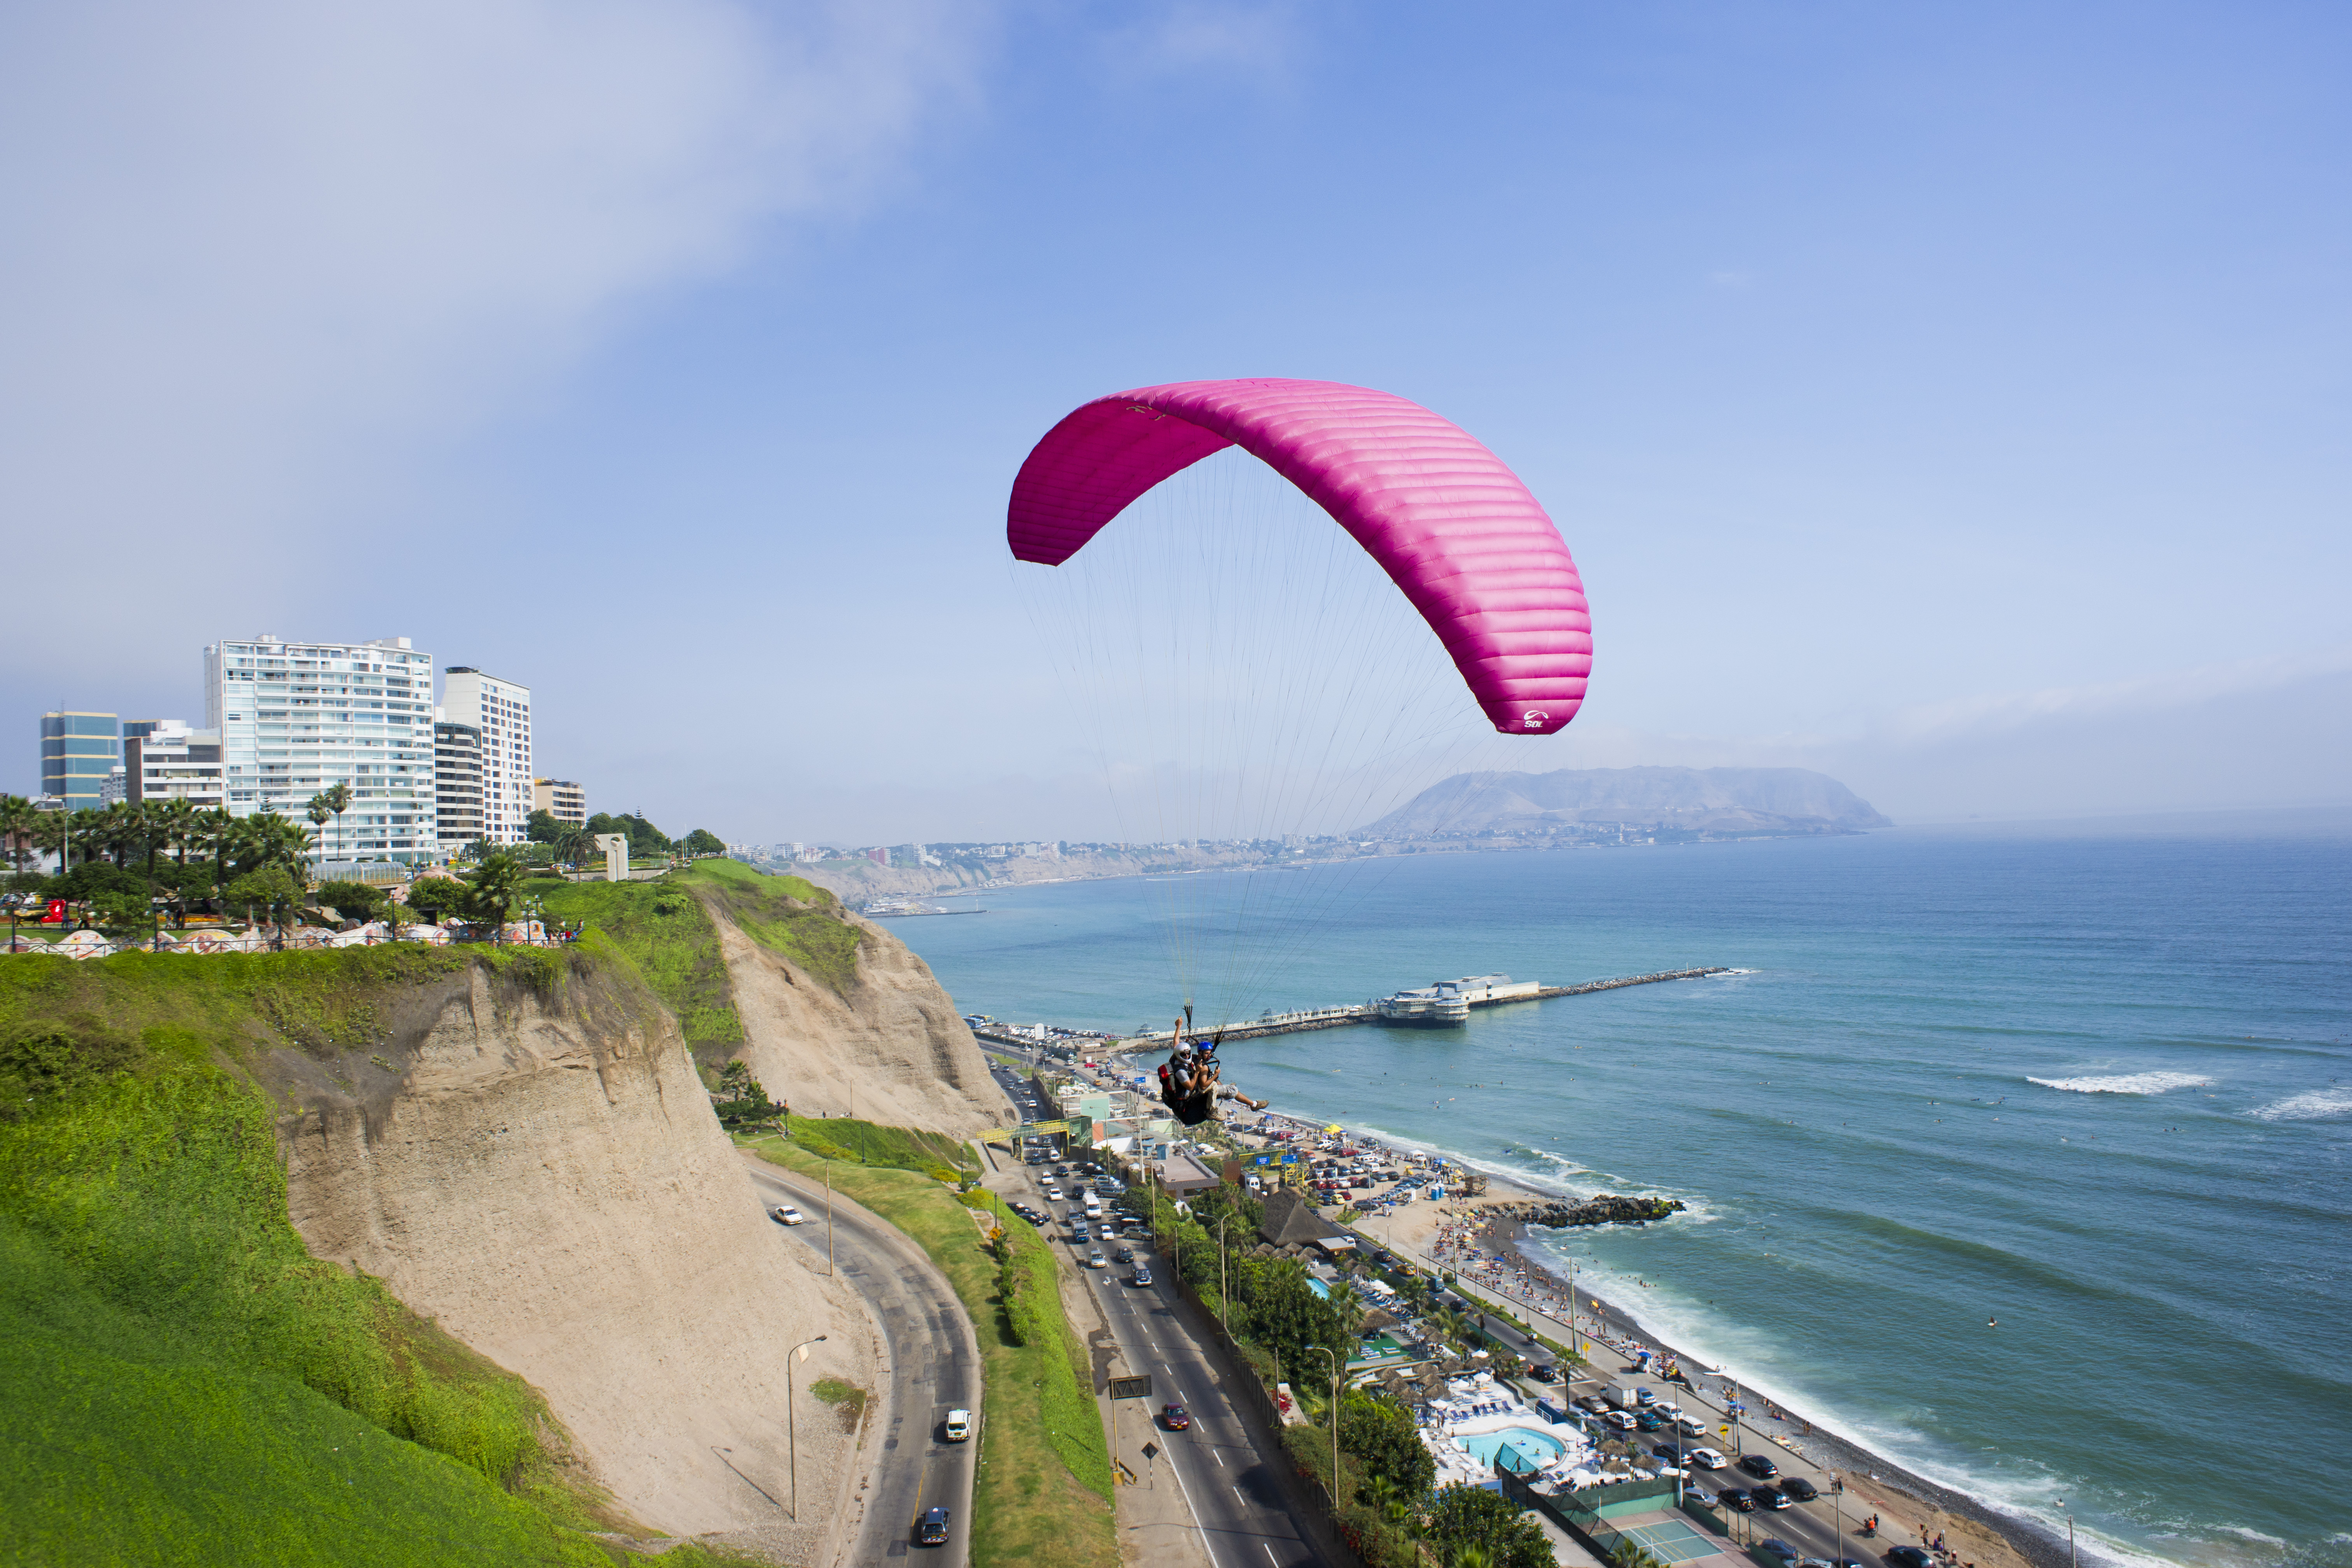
(1743, 801)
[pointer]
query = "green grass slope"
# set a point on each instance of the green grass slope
(667, 934)
(786, 915)
(871, 1143)
(179, 1381)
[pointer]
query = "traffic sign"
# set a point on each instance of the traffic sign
(1151, 1451)
(1131, 1388)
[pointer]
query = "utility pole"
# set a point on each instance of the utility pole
(828, 1219)
(792, 1434)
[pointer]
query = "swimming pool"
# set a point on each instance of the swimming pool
(1537, 1447)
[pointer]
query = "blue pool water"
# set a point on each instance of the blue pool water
(1536, 1448)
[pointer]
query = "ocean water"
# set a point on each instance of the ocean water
(2097, 1087)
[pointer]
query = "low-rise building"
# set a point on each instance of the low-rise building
(560, 799)
(164, 760)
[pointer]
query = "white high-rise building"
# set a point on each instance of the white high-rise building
(296, 718)
(501, 711)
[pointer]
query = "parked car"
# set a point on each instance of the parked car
(1736, 1498)
(1780, 1549)
(1706, 1458)
(1909, 1557)
(1800, 1490)
(959, 1426)
(787, 1214)
(1176, 1417)
(1770, 1497)
(1756, 1465)
(931, 1530)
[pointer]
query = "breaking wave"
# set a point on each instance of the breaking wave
(2308, 1106)
(2126, 1083)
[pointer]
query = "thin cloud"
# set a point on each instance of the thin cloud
(255, 255)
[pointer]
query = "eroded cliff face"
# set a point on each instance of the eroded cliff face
(539, 1169)
(892, 1048)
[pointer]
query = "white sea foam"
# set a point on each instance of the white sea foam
(2309, 1105)
(2126, 1083)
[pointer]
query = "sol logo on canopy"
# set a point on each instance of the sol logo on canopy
(1535, 719)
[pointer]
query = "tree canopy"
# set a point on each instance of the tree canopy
(1473, 1517)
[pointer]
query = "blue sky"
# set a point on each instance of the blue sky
(1953, 398)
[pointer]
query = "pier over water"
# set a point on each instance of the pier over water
(1471, 993)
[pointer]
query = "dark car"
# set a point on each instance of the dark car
(1800, 1490)
(1544, 1372)
(1756, 1465)
(1769, 1496)
(1650, 1421)
(1177, 1417)
(931, 1530)
(1667, 1452)
(1909, 1557)
(1780, 1549)
(1736, 1500)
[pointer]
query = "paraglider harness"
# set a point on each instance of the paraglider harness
(1197, 1103)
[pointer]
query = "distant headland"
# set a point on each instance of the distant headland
(1569, 808)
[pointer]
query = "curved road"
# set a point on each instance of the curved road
(934, 1367)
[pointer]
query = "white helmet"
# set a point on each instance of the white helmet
(1183, 1049)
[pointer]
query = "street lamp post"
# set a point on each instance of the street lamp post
(1837, 1509)
(1224, 1311)
(1327, 1351)
(828, 1219)
(2072, 1560)
(791, 1433)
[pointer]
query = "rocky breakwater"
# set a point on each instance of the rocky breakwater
(1606, 1208)
(520, 1149)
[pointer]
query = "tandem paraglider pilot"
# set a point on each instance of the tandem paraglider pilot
(1189, 1082)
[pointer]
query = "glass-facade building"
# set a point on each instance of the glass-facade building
(79, 752)
(296, 718)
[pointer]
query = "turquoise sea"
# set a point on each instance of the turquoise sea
(2096, 1084)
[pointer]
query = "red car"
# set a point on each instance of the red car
(1174, 1415)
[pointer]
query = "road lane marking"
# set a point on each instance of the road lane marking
(1270, 1557)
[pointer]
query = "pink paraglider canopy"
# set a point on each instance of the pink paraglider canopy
(1449, 523)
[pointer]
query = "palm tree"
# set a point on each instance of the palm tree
(318, 812)
(496, 883)
(85, 825)
(217, 832)
(338, 800)
(174, 822)
(16, 824)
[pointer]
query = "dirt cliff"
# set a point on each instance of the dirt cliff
(528, 1156)
(866, 1030)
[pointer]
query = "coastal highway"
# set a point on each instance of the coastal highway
(934, 1367)
(1231, 1486)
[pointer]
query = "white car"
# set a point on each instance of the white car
(787, 1214)
(1095, 1260)
(1706, 1459)
(1620, 1420)
(959, 1426)
(1691, 1428)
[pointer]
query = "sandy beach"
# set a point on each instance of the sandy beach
(1912, 1510)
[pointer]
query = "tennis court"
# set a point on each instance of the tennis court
(1670, 1539)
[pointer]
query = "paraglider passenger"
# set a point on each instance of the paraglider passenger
(1188, 1083)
